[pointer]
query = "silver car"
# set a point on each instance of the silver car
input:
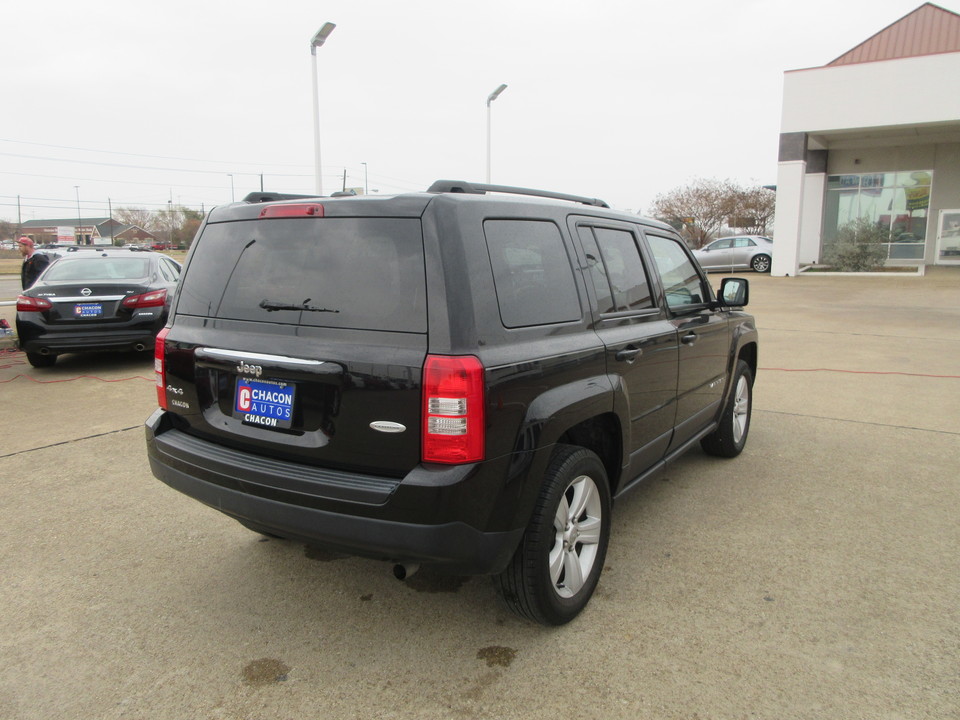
(740, 252)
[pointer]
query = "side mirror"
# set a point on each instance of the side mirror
(734, 292)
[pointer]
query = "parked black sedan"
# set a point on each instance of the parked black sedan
(94, 300)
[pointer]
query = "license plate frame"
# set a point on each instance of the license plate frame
(88, 310)
(264, 403)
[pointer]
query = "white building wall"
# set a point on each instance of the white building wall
(811, 220)
(865, 95)
(898, 96)
(786, 224)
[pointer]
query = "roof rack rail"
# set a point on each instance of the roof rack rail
(458, 186)
(260, 197)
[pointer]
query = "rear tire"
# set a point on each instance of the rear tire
(761, 263)
(41, 361)
(557, 565)
(730, 437)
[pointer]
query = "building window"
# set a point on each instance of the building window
(897, 201)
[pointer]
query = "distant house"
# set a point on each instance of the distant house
(85, 231)
(875, 134)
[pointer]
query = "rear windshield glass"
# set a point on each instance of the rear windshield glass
(363, 273)
(98, 268)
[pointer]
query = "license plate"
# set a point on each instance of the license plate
(267, 403)
(86, 310)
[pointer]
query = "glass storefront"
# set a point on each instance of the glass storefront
(897, 201)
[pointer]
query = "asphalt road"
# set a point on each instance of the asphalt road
(815, 576)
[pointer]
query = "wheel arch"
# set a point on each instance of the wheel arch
(603, 436)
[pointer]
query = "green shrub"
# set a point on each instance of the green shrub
(860, 246)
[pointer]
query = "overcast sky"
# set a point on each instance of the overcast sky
(145, 103)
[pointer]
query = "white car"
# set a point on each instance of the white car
(739, 252)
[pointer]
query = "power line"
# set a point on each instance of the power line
(155, 157)
(140, 167)
(353, 170)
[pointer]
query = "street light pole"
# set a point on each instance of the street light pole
(232, 199)
(366, 185)
(490, 98)
(79, 222)
(317, 41)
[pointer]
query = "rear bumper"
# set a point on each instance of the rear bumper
(358, 514)
(93, 340)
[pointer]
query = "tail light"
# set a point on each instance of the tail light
(154, 298)
(453, 410)
(160, 368)
(31, 304)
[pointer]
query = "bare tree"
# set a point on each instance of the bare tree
(753, 210)
(698, 209)
(139, 216)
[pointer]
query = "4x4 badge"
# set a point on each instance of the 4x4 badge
(387, 427)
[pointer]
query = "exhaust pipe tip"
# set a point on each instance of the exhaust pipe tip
(401, 571)
(139, 347)
(44, 351)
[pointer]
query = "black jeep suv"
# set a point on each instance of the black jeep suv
(465, 377)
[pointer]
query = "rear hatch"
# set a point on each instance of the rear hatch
(302, 338)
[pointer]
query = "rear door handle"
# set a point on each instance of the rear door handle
(628, 354)
(689, 338)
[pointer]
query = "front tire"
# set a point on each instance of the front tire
(761, 263)
(730, 437)
(41, 361)
(557, 565)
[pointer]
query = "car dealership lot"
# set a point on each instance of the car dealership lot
(813, 576)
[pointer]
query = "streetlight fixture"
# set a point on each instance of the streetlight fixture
(317, 41)
(490, 98)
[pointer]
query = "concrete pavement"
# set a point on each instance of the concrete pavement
(815, 576)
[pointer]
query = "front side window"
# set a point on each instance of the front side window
(681, 282)
(531, 271)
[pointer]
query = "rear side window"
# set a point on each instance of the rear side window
(365, 273)
(532, 273)
(169, 269)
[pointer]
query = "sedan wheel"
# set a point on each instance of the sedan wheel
(41, 361)
(761, 263)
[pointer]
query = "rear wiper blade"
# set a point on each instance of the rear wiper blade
(274, 305)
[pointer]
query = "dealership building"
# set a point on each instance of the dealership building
(875, 134)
